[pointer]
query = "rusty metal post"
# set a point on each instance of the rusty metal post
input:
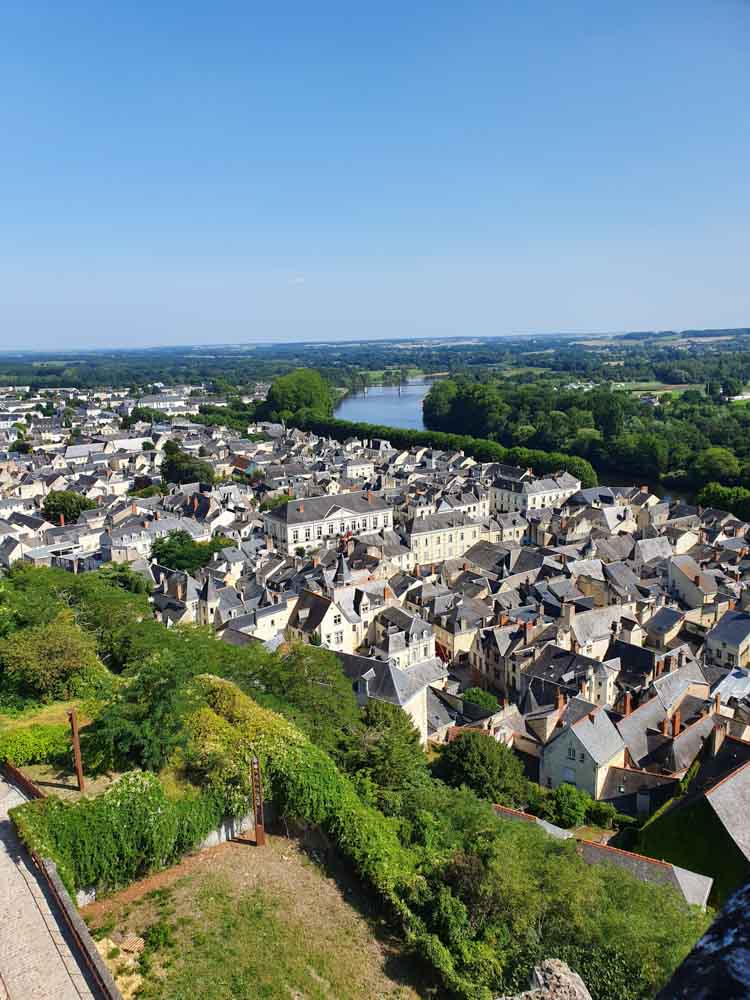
(76, 748)
(260, 829)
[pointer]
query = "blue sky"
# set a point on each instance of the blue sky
(198, 172)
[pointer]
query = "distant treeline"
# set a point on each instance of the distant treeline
(479, 449)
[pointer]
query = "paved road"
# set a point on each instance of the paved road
(36, 962)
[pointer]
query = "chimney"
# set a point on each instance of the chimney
(195, 503)
(559, 699)
(62, 520)
(503, 618)
(569, 613)
(628, 705)
(717, 703)
(644, 489)
(718, 733)
(133, 508)
(668, 663)
(466, 567)
(369, 496)
(301, 508)
(697, 580)
(659, 667)
(676, 720)
(157, 515)
(664, 726)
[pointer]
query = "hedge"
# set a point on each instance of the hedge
(35, 744)
(130, 830)
(481, 449)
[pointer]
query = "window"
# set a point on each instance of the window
(581, 758)
(319, 531)
(295, 535)
(328, 639)
(424, 651)
(571, 753)
(337, 619)
(307, 534)
(338, 638)
(375, 521)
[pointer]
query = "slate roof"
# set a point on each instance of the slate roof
(599, 736)
(664, 621)
(732, 628)
(694, 888)
(387, 682)
(318, 508)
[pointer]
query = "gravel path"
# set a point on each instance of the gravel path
(36, 962)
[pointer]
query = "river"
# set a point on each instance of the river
(384, 404)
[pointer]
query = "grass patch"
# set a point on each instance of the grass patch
(52, 714)
(237, 923)
(694, 838)
(241, 947)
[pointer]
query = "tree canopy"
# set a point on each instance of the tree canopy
(177, 550)
(179, 467)
(487, 767)
(301, 391)
(65, 503)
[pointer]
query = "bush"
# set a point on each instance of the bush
(53, 661)
(129, 830)
(484, 699)
(35, 744)
(489, 768)
(601, 814)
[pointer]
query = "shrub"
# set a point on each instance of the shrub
(601, 814)
(129, 830)
(55, 660)
(35, 744)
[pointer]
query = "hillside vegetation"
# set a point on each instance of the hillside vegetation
(477, 898)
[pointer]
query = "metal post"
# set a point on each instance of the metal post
(260, 830)
(76, 748)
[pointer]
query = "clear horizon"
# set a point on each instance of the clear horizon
(188, 176)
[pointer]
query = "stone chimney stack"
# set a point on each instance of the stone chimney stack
(676, 721)
(718, 734)
(628, 704)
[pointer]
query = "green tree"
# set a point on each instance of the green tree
(65, 503)
(387, 748)
(478, 696)
(179, 467)
(143, 724)
(487, 767)
(717, 464)
(568, 806)
(177, 550)
(52, 661)
(121, 575)
(303, 389)
(309, 686)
